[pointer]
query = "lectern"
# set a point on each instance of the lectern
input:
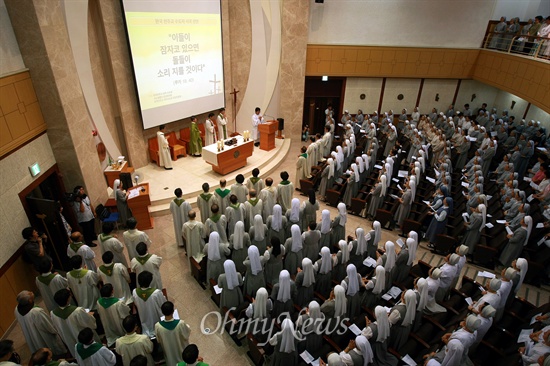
(139, 201)
(267, 135)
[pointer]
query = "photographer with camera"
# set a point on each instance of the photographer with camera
(34, 245)
(85, 213)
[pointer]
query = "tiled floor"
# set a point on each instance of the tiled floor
(193, 302)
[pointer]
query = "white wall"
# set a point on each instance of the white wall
(410, 23)
(355, 87)
(446, 89)
(10, 56)
(407, 87)
(484, 94)
(413, 23)
(524, 9)
(443, 88)
(14, 178)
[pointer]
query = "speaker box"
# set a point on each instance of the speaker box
(319, 1)
(281, 123)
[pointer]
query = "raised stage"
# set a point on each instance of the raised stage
(190, 173)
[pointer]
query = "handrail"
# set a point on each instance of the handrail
(531, 46)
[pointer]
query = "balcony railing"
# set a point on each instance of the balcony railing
(516, 43)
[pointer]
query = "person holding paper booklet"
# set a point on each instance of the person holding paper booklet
(172, 334)
(438, 225)
(230, 283)
(474, 225)
(516, 241)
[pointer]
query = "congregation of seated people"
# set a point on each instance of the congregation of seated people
(475, 186)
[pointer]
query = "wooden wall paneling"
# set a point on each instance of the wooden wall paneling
(7, 305)
(21, 119)
(524, 77)
(377, 61)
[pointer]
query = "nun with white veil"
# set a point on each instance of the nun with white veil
(239, 242)
(258, 233)
(378, 195)
(516, 241)
(216, 253)
(379, 332)
(413, 246)
(373, 238)
(390, 142)
(339, 160)
(277, 224)
(359, 250)
(285, 344)
(283, 295)
(294, 215)
(366, 161)
(452, 356)
(520, 265)
(293, 250)
(474, 226)
(351, 185)
(305, 283)
(401, 319)
(352, 284)
(327, 178)
(254, 278)
(387, 260)
(336, 306)
(375, 288)
(421, 292)
(325, 228)
(310, 323)
(338, 225)
(362, 171)
(323, 268)
(432, 307)
(389, 171)
(358, 352)
(402, 262)
(259, 311)
(342, 260)
(230, 282)
(121, 198)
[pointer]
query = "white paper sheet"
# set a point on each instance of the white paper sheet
(524, 335)
(399, 187)
(426, 202)
(465, 184)
(395, 291)
(388, 310)
(217, 289)
(509, 231)
(431, 180)
(355, 329)
(403, 173)
(395, 180)
(408, 360)
(485, 274)
(535, 186)
(541, 148)
(394, 196)
(533, 319)
(400, 243)
(530, 198)
(501, 221)
(469, 300)
(306, 356)
(527, 179)
(133, 193)
(386, 297)
(489, 225)
(378, 166)
(540, 225)
(369, 262)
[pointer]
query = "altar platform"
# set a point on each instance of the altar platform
(190, 173)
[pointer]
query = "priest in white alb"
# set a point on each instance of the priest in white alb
(133, 237)
(210, 130)
(37, 326)
(111, 312)
(83, 283)
(172, 334)
(165, 159)
(180, 211)
(148, 301)
(222, 125)
(268, 195)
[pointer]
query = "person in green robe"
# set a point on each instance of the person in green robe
(195, 145)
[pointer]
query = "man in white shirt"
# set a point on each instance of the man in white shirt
(257, 119)
(85, 214)
(133, 237)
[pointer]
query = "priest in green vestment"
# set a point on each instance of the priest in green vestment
(195, 144)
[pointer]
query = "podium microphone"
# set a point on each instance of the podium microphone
(267, 115)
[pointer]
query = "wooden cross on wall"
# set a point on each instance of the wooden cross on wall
(234, 93)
